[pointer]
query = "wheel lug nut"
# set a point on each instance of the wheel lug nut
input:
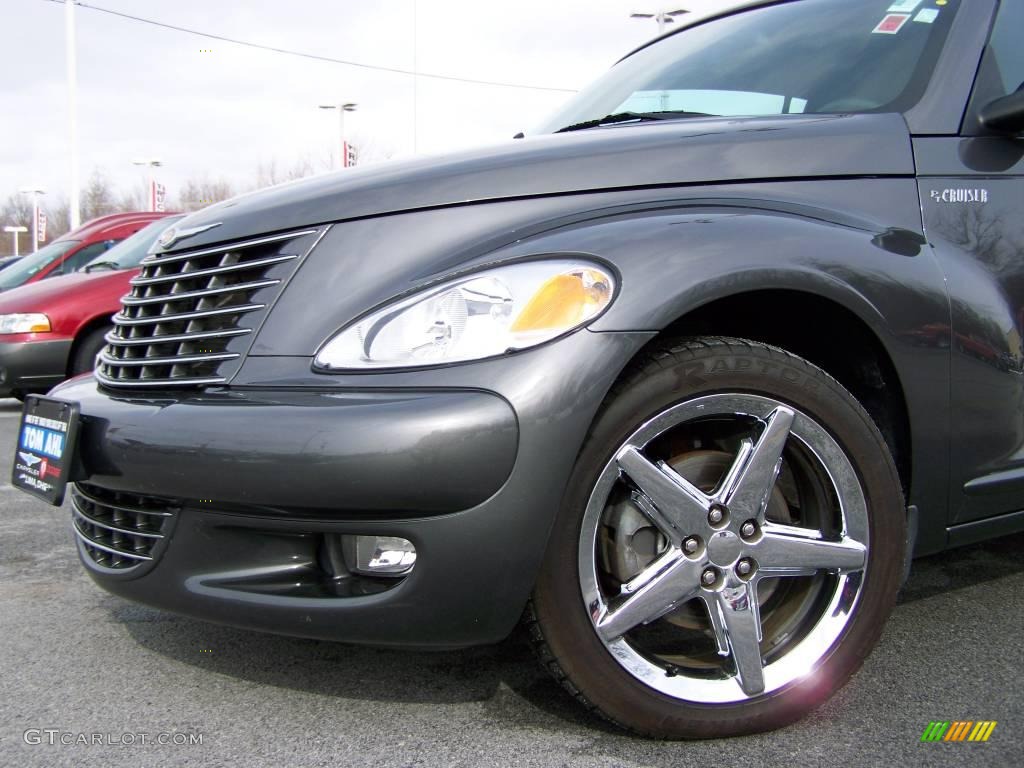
(745, 567)
(709, 577)
(716, 515)
(691, 545)
(748, 529)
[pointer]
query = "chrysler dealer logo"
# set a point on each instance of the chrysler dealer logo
(167, 238)
(960, 195)
(173, 235)
(29, 459)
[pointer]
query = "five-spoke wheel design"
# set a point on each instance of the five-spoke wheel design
(724, 548)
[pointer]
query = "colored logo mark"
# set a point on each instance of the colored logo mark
(958, 730)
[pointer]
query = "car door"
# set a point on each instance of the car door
(972, 199)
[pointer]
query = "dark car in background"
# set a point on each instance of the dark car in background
(53, 329)
(72, 251)
(672, 380)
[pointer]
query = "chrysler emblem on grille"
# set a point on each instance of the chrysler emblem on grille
(173, 235)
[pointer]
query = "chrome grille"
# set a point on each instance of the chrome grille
(188, 314)
(120, 531)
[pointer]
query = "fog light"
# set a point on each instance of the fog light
(383, 556)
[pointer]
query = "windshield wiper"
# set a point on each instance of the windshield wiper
(101, 265)
(631, 117)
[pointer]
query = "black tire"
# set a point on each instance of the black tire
(86, 348)
(563, 631)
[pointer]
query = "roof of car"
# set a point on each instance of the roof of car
(96, 227)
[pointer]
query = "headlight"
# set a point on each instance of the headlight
(31, 323)
(480, 315)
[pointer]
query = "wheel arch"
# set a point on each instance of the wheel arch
(855, 296)
(778, 316)
(84, 330)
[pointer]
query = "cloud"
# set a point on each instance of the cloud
(217, 109)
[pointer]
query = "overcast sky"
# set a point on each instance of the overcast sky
(217, 109)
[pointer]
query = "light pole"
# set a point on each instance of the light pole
(663, 16)
(150, 180)
(69, 35)
(35, 192)
(15, 231)
(342, 109)
(415, 78)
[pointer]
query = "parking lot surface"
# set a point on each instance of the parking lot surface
(78, 662)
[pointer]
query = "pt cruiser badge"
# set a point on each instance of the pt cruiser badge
(960, 195)
(681, 380)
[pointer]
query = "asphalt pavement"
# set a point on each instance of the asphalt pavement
(78, 665)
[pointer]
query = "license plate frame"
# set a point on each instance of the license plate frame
(47, 442)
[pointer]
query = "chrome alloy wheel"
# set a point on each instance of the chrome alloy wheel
(773, 599)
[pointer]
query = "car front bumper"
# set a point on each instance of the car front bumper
(259, 480)
(33, 366)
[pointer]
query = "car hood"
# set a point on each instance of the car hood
(80, 288)
(667, 153)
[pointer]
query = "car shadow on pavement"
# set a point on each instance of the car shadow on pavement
(964, 567)
(505, 678)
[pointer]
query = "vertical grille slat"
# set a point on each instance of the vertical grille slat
(185, 310)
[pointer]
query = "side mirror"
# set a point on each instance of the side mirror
(1005, 115)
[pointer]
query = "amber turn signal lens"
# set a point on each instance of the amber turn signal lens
(564, 301)
(31, 322)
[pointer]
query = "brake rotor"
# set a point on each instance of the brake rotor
(634, 542)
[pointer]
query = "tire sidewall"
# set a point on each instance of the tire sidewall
(86, 350)
(666, 380)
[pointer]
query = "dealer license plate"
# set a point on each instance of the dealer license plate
(45, 453)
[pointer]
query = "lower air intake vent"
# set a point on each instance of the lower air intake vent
(120, 531)
(187, 319)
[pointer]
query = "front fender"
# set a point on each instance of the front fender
(855, 242)
(678, 257)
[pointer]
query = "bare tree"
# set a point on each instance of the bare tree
(199, 193)
(268, 174)
(135, 198)
(986, 234)
(370, 149)
(58, 218)
(98, 197)
(16, 211)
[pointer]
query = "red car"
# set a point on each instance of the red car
(71, 252)
(52, 330)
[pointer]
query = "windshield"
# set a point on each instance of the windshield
(129, 253)
(810, 56)
(25, 268)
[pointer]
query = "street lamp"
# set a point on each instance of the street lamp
(70, 56)
(15, 231)
(150, 181)
(35, 213)
(663, 16)
(342, 109)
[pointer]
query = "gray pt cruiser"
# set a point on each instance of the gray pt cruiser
(682, 380)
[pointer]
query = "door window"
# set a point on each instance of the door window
(1002, 67)
(1005, 46)
(77, 260)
